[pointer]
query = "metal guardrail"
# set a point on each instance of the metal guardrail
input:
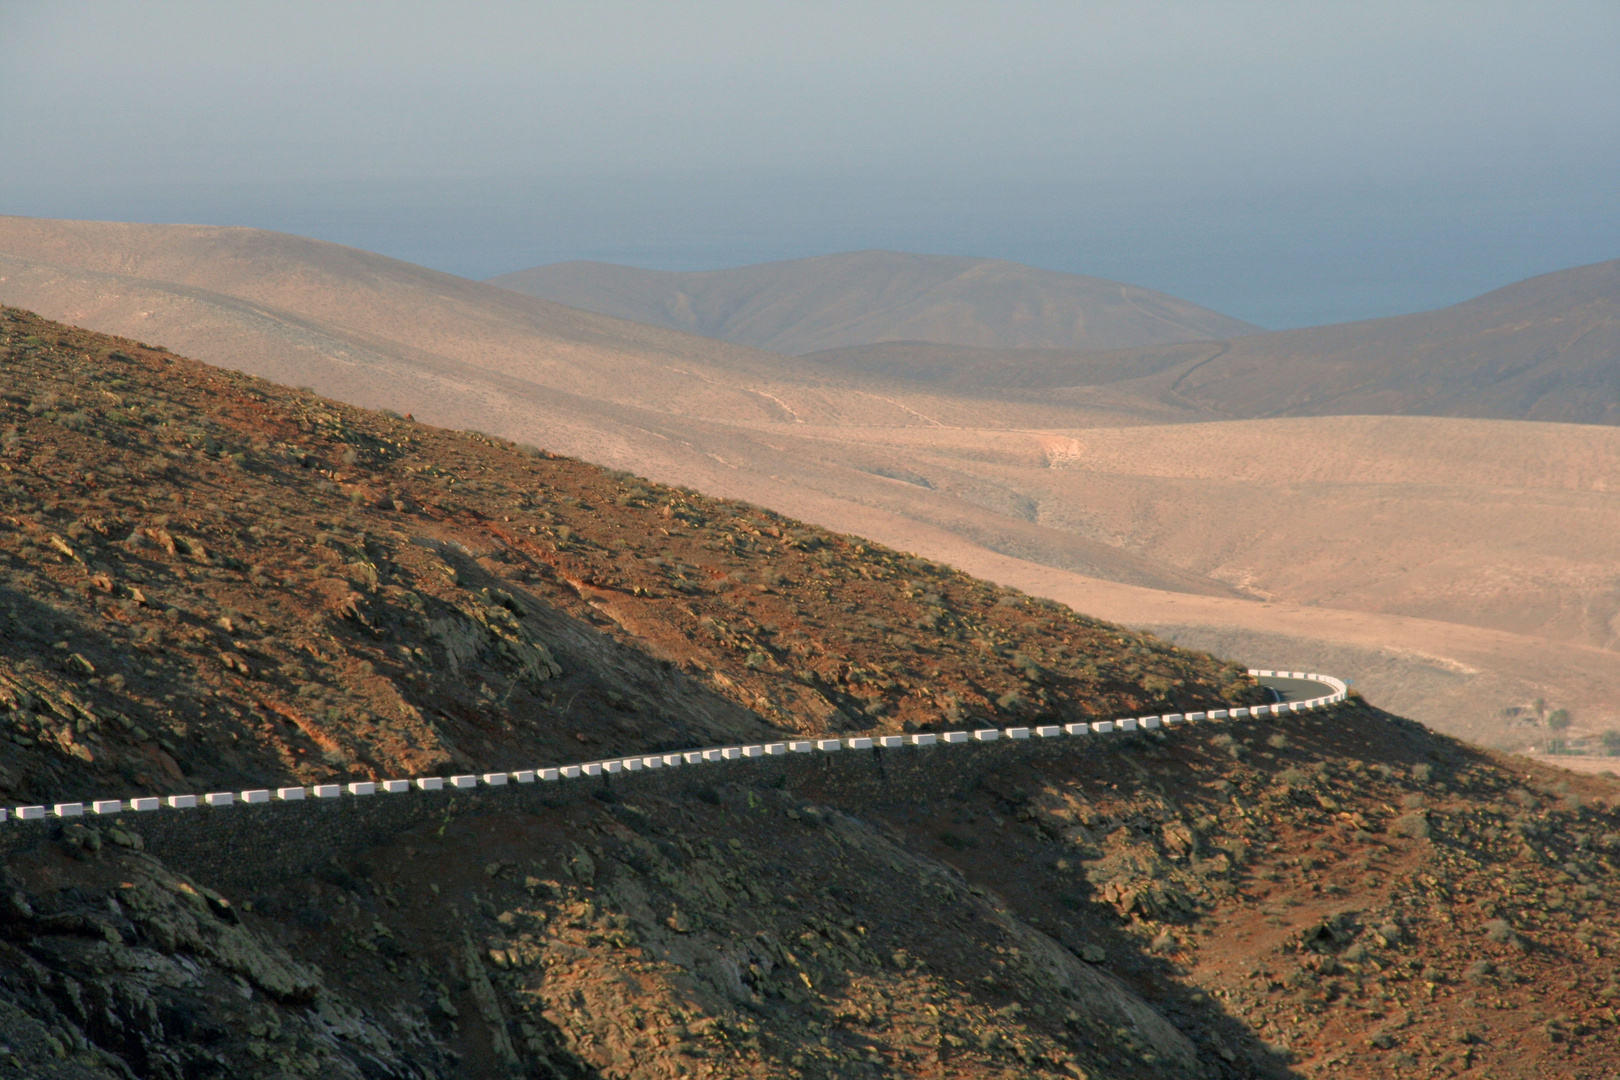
(710, 755)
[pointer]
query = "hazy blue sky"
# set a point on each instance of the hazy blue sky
(1286, 163)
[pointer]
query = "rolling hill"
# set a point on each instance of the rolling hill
(1543, 349)
(833, 301)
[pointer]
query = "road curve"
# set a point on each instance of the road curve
(1295, 692)
(1289, 686)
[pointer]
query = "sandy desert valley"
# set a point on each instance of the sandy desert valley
(1426, 504)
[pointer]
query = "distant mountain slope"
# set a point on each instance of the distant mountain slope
(975, 368)
(1486, 556)
(833, 301)
(1543, 349)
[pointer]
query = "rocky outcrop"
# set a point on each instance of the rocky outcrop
(136, 970)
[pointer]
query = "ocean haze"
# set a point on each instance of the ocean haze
(1287, 166)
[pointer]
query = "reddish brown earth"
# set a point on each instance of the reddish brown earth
(242, 581)
(210, 579)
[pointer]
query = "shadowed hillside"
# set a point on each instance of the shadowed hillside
(830, 301)
(1543, 349)
(211, 580)
(343, 566)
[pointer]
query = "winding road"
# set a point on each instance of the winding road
(1294, 692)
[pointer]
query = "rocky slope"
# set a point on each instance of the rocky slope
(213, 581)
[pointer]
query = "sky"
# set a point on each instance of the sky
(1286, 163)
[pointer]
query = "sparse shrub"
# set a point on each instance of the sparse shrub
(1158, 685)
(1524, 799)
(1414, 825)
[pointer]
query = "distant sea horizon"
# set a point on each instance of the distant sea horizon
(1276, 260)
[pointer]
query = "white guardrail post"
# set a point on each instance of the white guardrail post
(1339, 691)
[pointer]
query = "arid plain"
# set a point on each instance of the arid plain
(1456, 566)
